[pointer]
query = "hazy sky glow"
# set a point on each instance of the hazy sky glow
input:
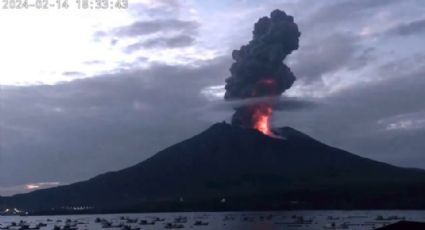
(85, 92)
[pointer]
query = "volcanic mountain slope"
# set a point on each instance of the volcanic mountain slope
(248, 169)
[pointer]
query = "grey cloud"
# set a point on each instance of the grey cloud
(411, 65)
(113, 42)
(140, 28)
(405, 121)
(329, 54)
(158, 33)
(142, 59)
(100, 34)
(161, 9)
(364, 57)
(110, 121)
(279, 103)
(330, 40)
(405, 29)
(73, 73)
(171, 42)
(162, 42)
(94, 62)
(354, 119)
(338, 12)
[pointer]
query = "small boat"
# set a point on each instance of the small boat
(145, 222)
(173, 225)
(200, 223)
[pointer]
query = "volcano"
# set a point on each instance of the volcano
(228, 167)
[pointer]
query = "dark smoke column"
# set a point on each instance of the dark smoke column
(258, 70)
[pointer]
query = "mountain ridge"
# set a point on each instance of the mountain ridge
(247, 168)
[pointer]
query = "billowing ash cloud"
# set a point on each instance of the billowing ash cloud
(260, 62)
(258, 69)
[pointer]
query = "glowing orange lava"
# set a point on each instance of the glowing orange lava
(261, 118)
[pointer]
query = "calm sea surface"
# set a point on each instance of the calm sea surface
(226, 220)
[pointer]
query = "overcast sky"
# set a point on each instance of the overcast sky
(85, 92)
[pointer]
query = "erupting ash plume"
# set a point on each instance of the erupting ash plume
(259, 71)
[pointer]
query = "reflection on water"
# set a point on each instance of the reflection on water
(358, 220)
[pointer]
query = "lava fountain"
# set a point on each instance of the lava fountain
(259, 71)
(255, 116)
